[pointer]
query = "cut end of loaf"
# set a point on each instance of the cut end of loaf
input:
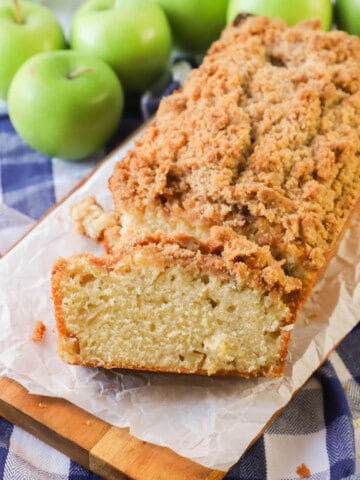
(139, 313)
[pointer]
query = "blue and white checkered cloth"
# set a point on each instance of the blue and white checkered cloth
(318, 432)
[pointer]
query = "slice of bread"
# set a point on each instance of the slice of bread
(177, 304)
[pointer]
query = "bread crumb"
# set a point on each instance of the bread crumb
(303, 471)
(314, 315)
(356, 422)
(346, 387)
(88, 423)
(39, 331)
(59, 218)
(42, 405)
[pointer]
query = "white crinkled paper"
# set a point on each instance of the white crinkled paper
(209, 420)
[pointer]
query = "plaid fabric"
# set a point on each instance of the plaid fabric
(318, 429)
(318, 433)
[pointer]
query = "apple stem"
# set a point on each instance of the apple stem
(18, 14)
(80, 71)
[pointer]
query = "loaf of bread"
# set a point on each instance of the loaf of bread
(226, 211)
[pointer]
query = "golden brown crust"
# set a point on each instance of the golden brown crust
(275, 371)
(263, 138)
(56, 275)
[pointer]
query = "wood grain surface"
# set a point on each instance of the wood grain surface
(109, 451)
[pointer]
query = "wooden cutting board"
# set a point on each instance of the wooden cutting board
(109, 451)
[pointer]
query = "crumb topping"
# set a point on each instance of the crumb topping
(91, 219)
(303, 471)
(39, 331)
(224, 253)
(262, 139)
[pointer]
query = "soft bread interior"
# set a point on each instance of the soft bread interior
(147, 317)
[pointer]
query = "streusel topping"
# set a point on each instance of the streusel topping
(263, 138)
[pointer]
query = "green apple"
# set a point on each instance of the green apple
(26, 28)
(195, 23)
(291, 12)
(133, 36)
(65, 104)
(347, 15)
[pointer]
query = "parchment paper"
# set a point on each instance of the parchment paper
(209, 420)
